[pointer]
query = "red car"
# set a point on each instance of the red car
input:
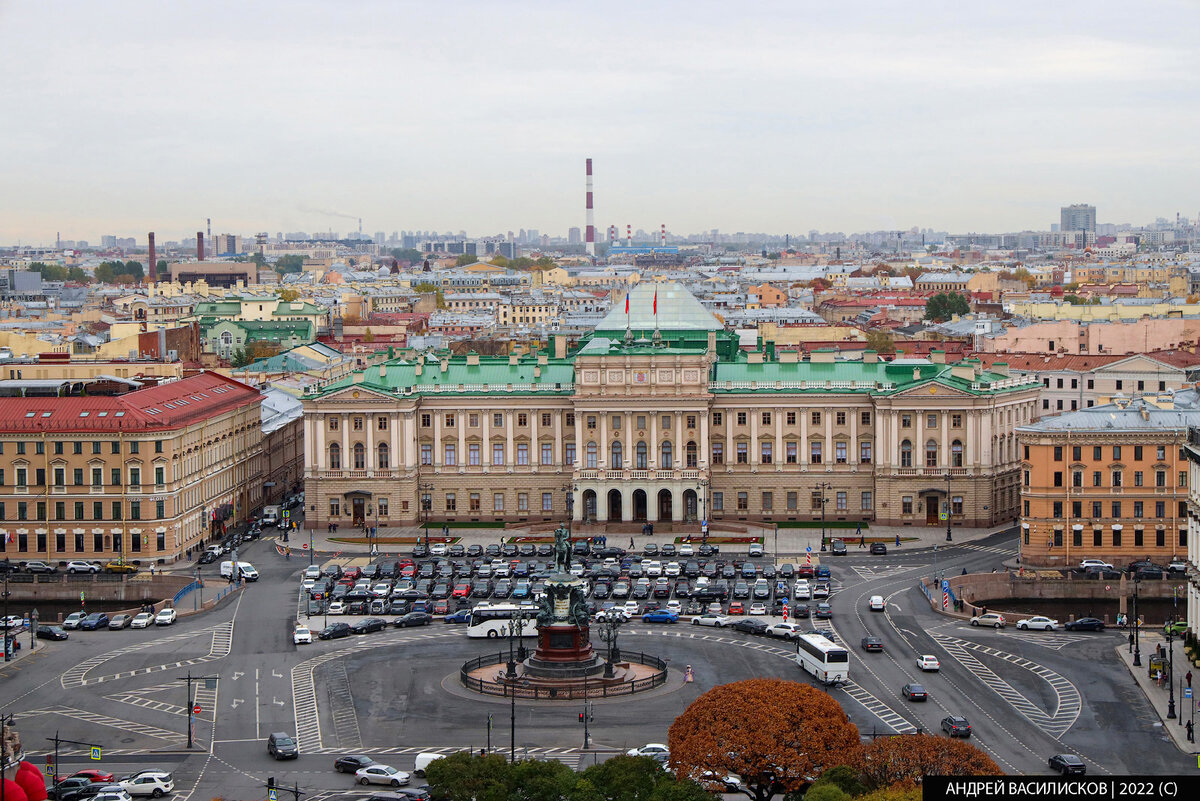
(736, 608)
(94, 776)
(461, 590)
(352, 573)
(442, 607)
(805, 571)
(408, 571)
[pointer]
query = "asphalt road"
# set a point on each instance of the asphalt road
(1027, 694)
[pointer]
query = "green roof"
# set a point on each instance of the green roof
(491, 376)
(880, 378)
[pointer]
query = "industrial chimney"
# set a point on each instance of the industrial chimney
(628, 235)
(199, 246)
(152, 270)
(663, 238)
(591, 221)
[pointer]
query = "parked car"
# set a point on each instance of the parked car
(956, 726)
(413, 619)
(301, 635)
(872, 643)
(656, 750)
(154, 783)
(914, 692)
(660, 616)
(1177, 565)
(334, 631)
(381, 774)
(73, 620)
(117, 623)
(352, 764)
(141, 620)
(1176, 627)
(929, 663)
(120, 567)
(1067, 764)
(993, 619)
(40, 567)
(94, 775)
(711, 619)
(368, 625)
(788, 631)
(67, 789)
(165, 618)
(96, 620)
(45, 632)
(75, 566)
(1087, 624)
(1100, 563)
(750, 626)
(1038, 622)
(758, 608)
(837, 548)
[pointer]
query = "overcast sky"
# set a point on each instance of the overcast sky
(125, 117)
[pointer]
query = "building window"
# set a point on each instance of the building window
(335, 458)
(547, 501)
(616, 422)
(522, 501)
(1182, 478)
(473, 502)
(792, 451)
(426, 454)
(1097, 509)
(840, 418)
(546, 419)
(1160, 538)
(718, 453)
(906, 421)
(765, 452)
(591, 455)
(381, 423)
(1137, 453)
(743, 501)
(791, 501)
(135, 510)
(358, 424)
(956, 421)
(743, 450)
(451, 502)
(569, 454)
(1058, 478)
(815, 417)
(1138, 538)
(1160, 452)
(865, 418)
(1058, 509)
(816, 500)
(956, 506)
(1160, 509)
(1058, 453)
(718, 418)
(426, 420)
(383, 460)
(1116, 478)
(666, 422)
(523, 453)
(766, 418)
(498, 421)
(1077, 537)
(616, 457)
(498, 501)
(160, 475)
(135, 476)
(768, 501)
(1137, 478)
(473, 420)
(1097, 453)
(497, 453)
(668, 455)
(1160, 478)
(360, 456)
(1096, 478)
(741, 418)
(160, 510)
(906, 505)
(931, 420)
(839, 450)
(690, 456)
(867, 502)
(841, 501)
(1116, 509)
(473, 454)
(1116, 453)
(547, 453)
(864, 452)
(449, 454)
(450, 420)
(814, 451)
(956, 453)
(1116, 539)
(718, 501)
(791, 418)
(906, 456)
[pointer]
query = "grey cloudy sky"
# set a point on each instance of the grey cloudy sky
(123, 117)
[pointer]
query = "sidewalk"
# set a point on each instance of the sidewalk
(19, 656)
(1185, 708)
(790, 543)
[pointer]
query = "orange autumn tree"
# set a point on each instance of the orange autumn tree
(795, 732)
(888, 760)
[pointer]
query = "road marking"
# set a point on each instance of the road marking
(81, 716)
(222, 643)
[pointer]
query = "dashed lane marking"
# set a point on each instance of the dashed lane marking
(79, 715)
(222, 643)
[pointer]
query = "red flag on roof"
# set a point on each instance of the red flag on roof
(626, 303)
(656, 301)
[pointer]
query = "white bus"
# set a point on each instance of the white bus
(495, 620)
(825, 659)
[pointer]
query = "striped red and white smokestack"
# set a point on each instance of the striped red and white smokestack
(199, 246)
(663, 238)
(591, 220)
(628, 235)
(612, 235)
(152, 270)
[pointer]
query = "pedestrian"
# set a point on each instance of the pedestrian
(1188, 677)
(985, 610)
(151, 570)
(1190, 732)
(964, 571)
(631, 542)
(862, 541)
(897, 540)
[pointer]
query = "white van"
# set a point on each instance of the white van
(876, 603)
(270, 515)
(245, 568)
(423, 761)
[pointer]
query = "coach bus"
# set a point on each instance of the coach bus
(825, 659)
(495, 620)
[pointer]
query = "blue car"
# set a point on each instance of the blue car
(823, 572)
(94, 621)
(461, 616)
(660, 616)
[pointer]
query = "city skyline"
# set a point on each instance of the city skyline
(135, 117)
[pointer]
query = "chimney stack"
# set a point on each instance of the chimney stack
(152, 269)
(591, 221)
(199, 246)
(628, 235)
(663, 238)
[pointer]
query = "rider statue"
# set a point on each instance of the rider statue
(562, 550)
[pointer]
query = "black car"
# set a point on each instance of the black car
(650, 549)
(581, 548)
(403, 794)
(419, 551)
(609, 553)
(956, 726)
(878, 548)
(413, 619)
(545, 550)
(1085, 624)
(1096, 572)
(528, 549)
(709, 550)
(510, 550)
(399, 606)
(368, 624)
(668, 549)
(351, 764)
(1066, 764)
(837, 548)
(750, 626)
(316, 607)
(68, 789)
(914, 692)
(801, 611)
(93, 789)
(474, 551)
(335, 631)
(457, 551)
(358, 606)
(207, 558)
(870, 643)
(51, 633)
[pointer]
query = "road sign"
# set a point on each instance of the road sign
(286, 514)
(272, 795)
(196, 709)
(808, 548)
(1187, 692)
(304, 546)
(96, 753)
(943, 516)
(1107, 587)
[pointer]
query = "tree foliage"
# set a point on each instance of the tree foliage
(410, 255)
(881, 342)
(900, 791)
(795, 734)
(1075, 300)
(119, 272)
(945, 305)
(289, 264)
(464, 259)
(288, 294)
(889, 760)
(56, 272)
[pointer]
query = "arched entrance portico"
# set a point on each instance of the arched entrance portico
(614, 505)
(639, 505)
(664, 506)
(689, 506)
(589, 504)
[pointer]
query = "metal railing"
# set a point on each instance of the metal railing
(584, 690)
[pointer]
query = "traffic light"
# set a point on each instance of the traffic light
(270, 782)
(581, 717)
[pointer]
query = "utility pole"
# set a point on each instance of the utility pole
(824, 485)
(586, 717)
(949, 509)
(7, 654)
(191, 701)
(273, 791)
(57, 742)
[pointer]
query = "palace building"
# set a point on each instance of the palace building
(659, 416)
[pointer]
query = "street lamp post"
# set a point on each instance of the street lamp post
(569, 489)
(824, 485)
(426, 491)
(949, 509)
(1137, 646)
(7, 570)
(514, 628)
(1171, 675)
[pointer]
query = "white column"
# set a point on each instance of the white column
(779, 456)
(437, 438)
(705, 453)
(510, 454)
(369, 423)
(558, 439)
(755, 451)
(730, 419)
(804, 451)
(676, 503)
(460, 420)
(346, 455)
(652, 450)
(487, 439)
(395, 440)
(604, 455)
(946, 440)
(535, 457)
(852, 456)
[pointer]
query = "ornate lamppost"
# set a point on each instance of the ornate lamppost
(610, 625)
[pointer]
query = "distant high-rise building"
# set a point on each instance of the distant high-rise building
(108, 241)
(227, 245)
(380, 237)
(573, 236)
(1078, 217)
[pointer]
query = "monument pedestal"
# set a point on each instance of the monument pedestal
(564, 651)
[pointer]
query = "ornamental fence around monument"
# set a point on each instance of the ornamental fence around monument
(597, 690)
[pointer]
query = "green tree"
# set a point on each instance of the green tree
(107, 271)
(881, 342)
(260, 260)
(135, 269)
(289, 264)
(464, 259)
(238, 358)
(825, 792)
(288, 294)
(411, 255)
(943, 306)
(499, 261)
(545, 263)
(161, 266)
(77, 275)
(462, 776)
(844, 777)
(625, 778)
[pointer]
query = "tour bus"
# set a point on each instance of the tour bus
(825, 659)
(494, 620)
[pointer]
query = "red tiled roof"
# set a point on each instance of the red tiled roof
(1054, 361)
(170, 405)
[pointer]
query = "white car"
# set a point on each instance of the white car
(141, 620)
(821, 590)
(756, 549)
(789, 631)
(993, 619)
(657, 750)
(73, 620)
(308, 583)
(1039, 622)
(686, 549)
(673, 569)
(301, 634)
(337, 608)
(165, 618)
(312, 572)
(758, 608)
(381, 590)
(1100, 563)
(149, 782)
(115, 794)
(13, 622)
(711, 619)
(675, 606)
(437, 549)
(82, 567)
(381, 774)
(653, 568)
(577, 569)
(801, 591)
(929, 662)
(631, 607)
(876, 604)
